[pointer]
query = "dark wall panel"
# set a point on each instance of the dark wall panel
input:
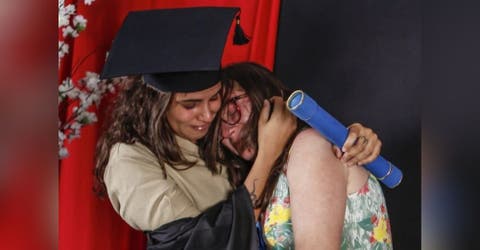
(361, 61)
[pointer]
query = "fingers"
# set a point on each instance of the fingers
(275, 132)
(275, 113)
(375, 153)
(353, 133)
(279, 108)
(264, 113)
(358, 153)
(281, 113)
(361, 147)
(350, 147)
(337, 152)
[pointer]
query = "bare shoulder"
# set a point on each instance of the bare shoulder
(311, 149)
(309, 138)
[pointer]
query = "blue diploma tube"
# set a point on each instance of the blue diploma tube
(305, 108)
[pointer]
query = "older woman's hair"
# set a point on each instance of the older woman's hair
(259, 83)
(138, 115)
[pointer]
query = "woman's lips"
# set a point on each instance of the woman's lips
(201, 127)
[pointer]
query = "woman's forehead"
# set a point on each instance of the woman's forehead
(202, 94)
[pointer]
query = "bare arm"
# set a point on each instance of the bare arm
(273, 135)
(317, 182)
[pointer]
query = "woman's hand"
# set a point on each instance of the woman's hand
(361, 147)
(275, 130)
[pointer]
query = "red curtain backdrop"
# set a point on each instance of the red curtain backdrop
(85, 221)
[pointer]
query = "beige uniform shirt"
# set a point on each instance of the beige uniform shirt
(145, 200)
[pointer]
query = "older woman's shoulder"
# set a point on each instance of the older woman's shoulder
(310, 137)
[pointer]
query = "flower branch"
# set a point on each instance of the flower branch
(80, 96)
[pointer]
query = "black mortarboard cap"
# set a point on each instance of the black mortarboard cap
(176, 50)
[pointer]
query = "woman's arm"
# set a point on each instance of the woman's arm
(138, 191)
(317, 182)
(273, 135)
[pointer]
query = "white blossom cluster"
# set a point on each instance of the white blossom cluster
(71, 24)
(88, 91)
(83, 94)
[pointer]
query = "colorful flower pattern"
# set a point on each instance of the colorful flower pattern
(366, 224)
(277, 224)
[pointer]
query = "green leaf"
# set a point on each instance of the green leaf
(366, 224)
(377, 246)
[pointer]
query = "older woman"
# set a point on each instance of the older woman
(312, 200)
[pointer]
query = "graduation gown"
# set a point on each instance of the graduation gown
(227, 225)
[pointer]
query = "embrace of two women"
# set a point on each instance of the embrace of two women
(196, 155)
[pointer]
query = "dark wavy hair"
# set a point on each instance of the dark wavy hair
(138, 115)
(259, 83)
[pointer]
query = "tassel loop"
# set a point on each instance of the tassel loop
(240, 38)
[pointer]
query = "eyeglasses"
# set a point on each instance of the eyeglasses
(231, 112)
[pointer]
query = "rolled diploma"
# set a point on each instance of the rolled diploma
(305, 108)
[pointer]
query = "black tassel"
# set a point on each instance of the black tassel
(240, 38)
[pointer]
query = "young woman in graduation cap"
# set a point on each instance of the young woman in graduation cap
(151, 159)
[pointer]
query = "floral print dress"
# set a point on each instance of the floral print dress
(366, 224)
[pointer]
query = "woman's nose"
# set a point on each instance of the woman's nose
(207, 113)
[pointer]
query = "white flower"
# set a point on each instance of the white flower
(74, 133)
(73, 93)
(80, 109)
(63, 49)
(69, 31)
(63, 20)
(79, 22)
(70, 9)
(62, 152)
(65, 86)
(75, 125)
(91, 116)
(85, 100)
(89, 2)
(79, 95)
(68, 89)
(91, 80)
(61, 137)
(95, 97)
(64, 13)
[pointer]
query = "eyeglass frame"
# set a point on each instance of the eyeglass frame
(233, 100)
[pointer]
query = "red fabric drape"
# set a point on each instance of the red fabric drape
(85, 221)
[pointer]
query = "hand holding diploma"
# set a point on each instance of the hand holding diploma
(306, 109)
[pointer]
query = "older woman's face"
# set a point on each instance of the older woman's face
(239, 106)
(191, 114)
